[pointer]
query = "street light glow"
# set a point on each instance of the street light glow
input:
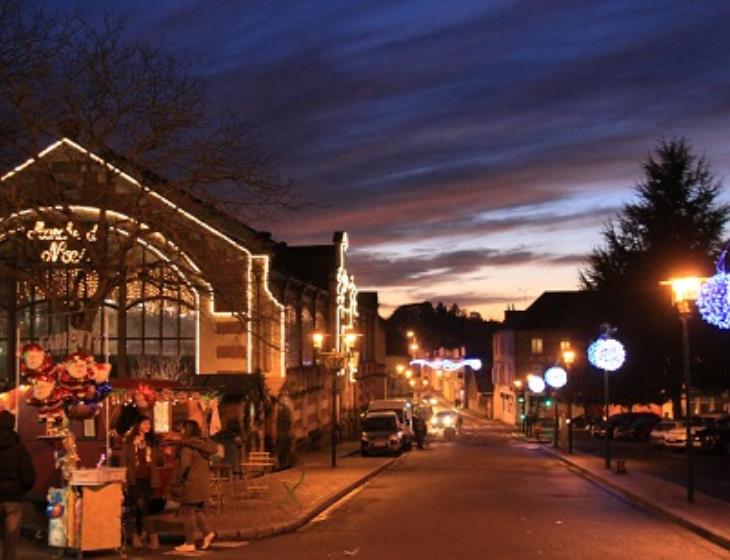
(318, 340)
(569, 357)
(410, 334)
(685, 291)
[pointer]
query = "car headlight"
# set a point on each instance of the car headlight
(448, 421)
(364, 436)
(434, 421)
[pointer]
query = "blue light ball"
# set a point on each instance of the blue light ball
(713, 302)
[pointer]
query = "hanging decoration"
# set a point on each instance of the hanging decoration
(713, 300)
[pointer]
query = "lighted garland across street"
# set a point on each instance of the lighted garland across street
(607, 354)
(449, 365)
(712, 300)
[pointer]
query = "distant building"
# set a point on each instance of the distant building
(534, 339)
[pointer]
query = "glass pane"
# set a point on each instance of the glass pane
(134, 321)
(3, 324)
(169, 347)
(4, 365)
(40, 319)
(151, 320)
(134, 347)
(187, 348)
(169, 320)
(24, 322)
(112, 317)
(187, 324)
(151, 347)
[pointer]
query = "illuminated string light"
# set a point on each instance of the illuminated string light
(556, 377)
(450, 365)
(712, 301)
(607, 354)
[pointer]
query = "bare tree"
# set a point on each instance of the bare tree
(96, 226)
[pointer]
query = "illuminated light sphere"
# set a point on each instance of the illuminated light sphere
(607, 354)
(556, 377)
(712, 300)
(535, 383)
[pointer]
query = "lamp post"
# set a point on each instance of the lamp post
(334, 361)
(568, 359)
(607, 354)
(684, 295)
(521, 404)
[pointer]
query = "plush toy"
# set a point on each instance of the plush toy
(77, 376)
(35, 362)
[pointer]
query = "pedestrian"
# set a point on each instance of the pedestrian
(17, 476)
(142, 455)
(190, 484)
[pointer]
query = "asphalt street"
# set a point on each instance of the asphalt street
(485, 496)
(711, 470)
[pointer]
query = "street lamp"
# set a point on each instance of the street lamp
(521, 404)
(568, 359)
(334, 361)
(607, 354)
(684, 295)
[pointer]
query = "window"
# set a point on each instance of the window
(564, 345)
(536, 346)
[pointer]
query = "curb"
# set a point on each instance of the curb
(643, 503)
(302, 520)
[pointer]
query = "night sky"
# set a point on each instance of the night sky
(473, 150)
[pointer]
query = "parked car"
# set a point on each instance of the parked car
(581, 422)
(403, 409)
(638, 430)
(619, 422)
(716, 432)
(659, 431)
(702, 438)
(381, 433)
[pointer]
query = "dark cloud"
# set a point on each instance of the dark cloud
(411, 121)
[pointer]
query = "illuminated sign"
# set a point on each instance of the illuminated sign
(59, 249)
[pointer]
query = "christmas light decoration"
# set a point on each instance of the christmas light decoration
(607, 354)
(713, 300)
(535, 383)
(449, 365)
(556, 377)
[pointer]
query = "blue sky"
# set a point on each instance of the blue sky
(473, 150)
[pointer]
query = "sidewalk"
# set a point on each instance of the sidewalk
(707, 516)
(283, 511)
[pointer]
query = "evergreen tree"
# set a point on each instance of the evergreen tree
(674, 227)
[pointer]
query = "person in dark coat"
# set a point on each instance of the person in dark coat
(142, 455)
(17, 476)
(190, 484)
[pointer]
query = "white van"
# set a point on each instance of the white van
(404, 411)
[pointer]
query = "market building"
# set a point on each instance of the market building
(165, 287)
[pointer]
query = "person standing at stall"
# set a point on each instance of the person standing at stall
(142, 455)
(190, 484)
(17, 476)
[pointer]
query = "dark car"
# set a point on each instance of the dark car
(638, 430)
(619, 422)
(715, 435)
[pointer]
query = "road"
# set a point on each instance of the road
(710, 469)
(484, 496)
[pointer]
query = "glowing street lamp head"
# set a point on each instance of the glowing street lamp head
(517, 383)
(400, 368)
(409, 373)
(410, 334)
(439, 373)
(685, 291)
(412, 382)
(607, 354)
(350, 339)
(413, 346)
(568, 357)
(318, 340)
